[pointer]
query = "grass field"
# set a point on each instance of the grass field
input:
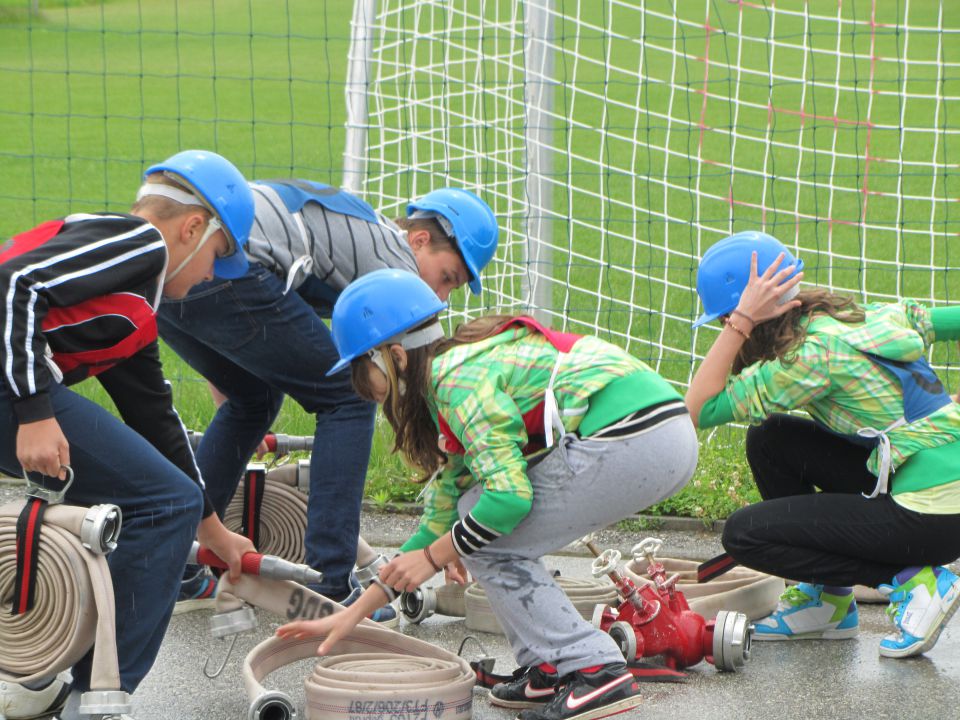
(725, 117)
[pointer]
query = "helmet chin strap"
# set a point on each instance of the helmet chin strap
(212, 226)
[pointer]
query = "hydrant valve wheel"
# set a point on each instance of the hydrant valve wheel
(605, 562)
(646, 548)
(418, 605)
(732, 634)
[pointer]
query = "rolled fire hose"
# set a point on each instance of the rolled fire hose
(373, 672)
(283, 514)
(585, 595)
(74, 604)
(752, 593)
(283, 517)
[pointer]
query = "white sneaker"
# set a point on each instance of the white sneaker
(922, 600)
(806, 612)
(18, 702)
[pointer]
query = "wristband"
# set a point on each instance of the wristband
(729, 323)
(429, 556)
(744, 316)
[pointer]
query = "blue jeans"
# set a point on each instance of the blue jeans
(161, 509)
(257, 344)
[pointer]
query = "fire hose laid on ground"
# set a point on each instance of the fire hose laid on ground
(69, 610)
(374, 672)
(753, 593)
(470, 602)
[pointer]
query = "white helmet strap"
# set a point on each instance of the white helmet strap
(789, 295)
(421, 337)
(171, 193)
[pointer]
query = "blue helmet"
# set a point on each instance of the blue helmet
(472, 226)
(379, 306)
(225, 191)
(725, 270)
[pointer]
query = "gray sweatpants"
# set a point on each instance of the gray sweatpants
(581, 486)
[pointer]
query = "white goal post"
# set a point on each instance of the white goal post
(617, 140)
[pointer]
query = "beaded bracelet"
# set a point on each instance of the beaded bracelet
(730, 324)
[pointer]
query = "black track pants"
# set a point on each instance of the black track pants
(836, 536)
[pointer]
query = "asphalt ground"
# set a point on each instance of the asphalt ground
(803, 680)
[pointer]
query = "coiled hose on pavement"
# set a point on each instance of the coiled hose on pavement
(373, 673)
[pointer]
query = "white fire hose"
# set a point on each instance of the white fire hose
(283, 519)
(373, 672)
(283, 512)
(584, 594)
(74, 605)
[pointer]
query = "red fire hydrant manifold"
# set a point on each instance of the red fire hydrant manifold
(655, 620)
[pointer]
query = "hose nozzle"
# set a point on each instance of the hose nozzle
(266, 566)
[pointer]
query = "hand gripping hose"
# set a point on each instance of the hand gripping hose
(281, 517)
(373, 673)
(73, 608)
(252, 563)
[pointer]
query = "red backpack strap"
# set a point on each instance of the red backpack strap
(133, 307)
(562, 341)
(448, 441)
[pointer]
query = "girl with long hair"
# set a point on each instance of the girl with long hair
(543, 437)
(879, 444)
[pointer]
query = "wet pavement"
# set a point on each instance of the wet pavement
(803, 680)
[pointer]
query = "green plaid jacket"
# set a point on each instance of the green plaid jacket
(482, 390)
(831, 378)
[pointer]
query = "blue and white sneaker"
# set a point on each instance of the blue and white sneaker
(806, 612)
(922, 600)
(198, 591)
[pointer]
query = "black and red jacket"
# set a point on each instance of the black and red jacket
(80, 297)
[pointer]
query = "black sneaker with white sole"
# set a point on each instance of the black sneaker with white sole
(531, 687)
(589, 694)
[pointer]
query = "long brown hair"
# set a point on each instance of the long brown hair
(415, 433)
(780, 337)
